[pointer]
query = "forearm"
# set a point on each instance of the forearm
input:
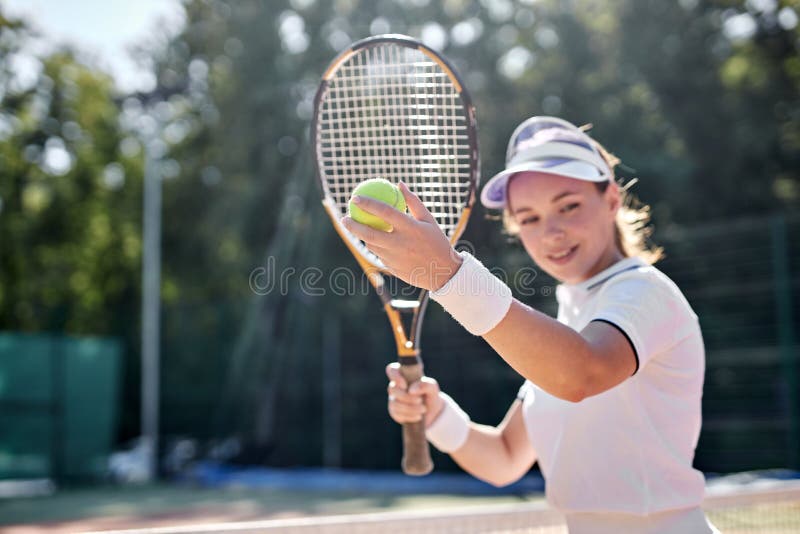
(550, 354)
(498, 455)
(487, 456)
(541, 349)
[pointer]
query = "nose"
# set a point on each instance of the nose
(553, 231)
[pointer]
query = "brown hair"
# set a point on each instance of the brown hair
(632, 229)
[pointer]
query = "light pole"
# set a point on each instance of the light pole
(151, 294)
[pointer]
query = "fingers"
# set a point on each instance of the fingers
(402, 413)
(394, 375)
(365, 233)
(398, 394)
(382, 253)
(425, 386)
(415, 205)
(405, 407)
(393, 216)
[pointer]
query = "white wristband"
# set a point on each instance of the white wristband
(474, 296)
(450, 429)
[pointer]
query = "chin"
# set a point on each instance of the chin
(574, 272)
(569, 274)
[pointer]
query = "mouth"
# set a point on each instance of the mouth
(564, 256)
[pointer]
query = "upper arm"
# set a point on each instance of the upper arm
(613, 357)
(648, 310)
(638, 316)
(515, 438)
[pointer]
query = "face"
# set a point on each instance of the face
(566, 225)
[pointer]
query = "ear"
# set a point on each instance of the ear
(613, 197)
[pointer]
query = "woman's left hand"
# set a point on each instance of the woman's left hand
(416, 250)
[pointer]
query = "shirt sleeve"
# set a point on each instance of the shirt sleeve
(653, 315)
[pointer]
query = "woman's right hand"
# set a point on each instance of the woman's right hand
(409, 405)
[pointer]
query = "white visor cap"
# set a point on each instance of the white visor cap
(550, 145)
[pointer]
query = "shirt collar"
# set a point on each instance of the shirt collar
(569, 292)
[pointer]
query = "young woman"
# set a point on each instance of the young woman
(611, 403)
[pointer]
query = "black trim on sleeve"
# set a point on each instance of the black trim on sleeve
(635, 354)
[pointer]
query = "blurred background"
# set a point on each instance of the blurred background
(249, 360)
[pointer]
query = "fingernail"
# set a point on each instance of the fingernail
(356, 199)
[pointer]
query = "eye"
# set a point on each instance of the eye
(529, 220)
(570, 207)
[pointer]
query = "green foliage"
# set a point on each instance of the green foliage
(73, 234)
(70, 203)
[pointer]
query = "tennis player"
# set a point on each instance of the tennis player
(611, 404)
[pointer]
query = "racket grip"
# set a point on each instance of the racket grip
(416, 452)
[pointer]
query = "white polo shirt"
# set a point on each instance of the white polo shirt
(629, 449)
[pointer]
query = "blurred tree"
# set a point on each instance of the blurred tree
(724, 97)
(70, 201)
(70, 198)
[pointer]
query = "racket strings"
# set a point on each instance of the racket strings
(392, 112)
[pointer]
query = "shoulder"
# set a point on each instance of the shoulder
(648, 307)
(645, 286)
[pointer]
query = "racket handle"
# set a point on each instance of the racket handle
(416, 452)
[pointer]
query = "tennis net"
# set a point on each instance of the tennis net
(774, 509)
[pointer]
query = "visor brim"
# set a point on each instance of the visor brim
(495, 193)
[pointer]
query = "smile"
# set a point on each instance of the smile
(564, 256)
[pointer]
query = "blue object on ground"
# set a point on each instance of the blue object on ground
(215, 474)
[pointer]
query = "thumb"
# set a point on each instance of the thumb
(425, 386)
(415, 205)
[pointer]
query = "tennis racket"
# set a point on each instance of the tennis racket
(391, 107)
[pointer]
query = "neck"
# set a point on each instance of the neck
(611, 256)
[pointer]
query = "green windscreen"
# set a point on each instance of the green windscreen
(58, 405)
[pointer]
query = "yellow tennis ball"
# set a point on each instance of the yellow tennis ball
(379, 189)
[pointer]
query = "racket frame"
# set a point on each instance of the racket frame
(416, 459)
